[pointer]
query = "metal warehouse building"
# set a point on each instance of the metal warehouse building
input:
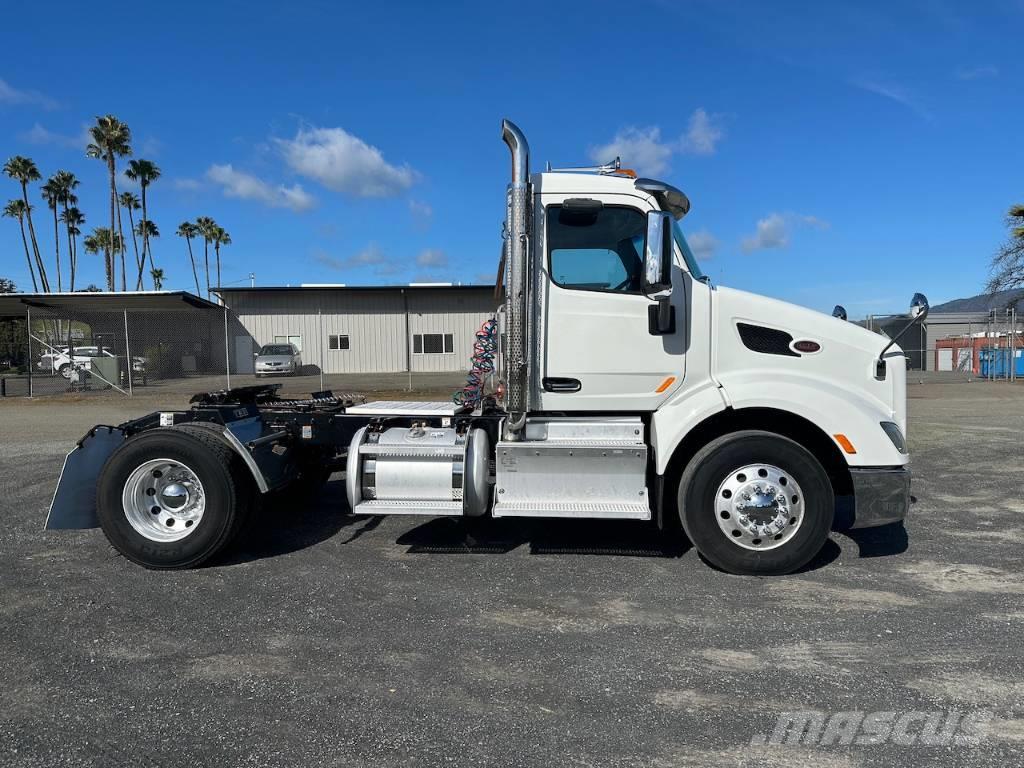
(376, 329)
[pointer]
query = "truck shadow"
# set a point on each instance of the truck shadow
(299, 520)
(620, 538)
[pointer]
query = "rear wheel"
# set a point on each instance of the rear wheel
(65, 371)
(756, 503)
(173, 498)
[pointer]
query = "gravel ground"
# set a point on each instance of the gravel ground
(327, 639)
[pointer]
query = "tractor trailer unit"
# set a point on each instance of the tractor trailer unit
(615, 381)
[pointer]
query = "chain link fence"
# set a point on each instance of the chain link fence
(50, 352)
(961, 346)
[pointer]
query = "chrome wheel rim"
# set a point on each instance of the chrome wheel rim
(163, 500)
(759, 507)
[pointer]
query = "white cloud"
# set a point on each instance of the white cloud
(186, 184)
(11, 95)
(421, 213)
(703, 244)
(644, 150)
(639, 148)
(977, 73)
(344, 163)
(773, 231)
(894, 92)
(39, 134)
(372, 257)
(248, 187)
(701, 135)
(432, 257)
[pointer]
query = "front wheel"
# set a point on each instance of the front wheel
(756, 503)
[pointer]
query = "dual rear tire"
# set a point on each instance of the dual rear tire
(756, 503)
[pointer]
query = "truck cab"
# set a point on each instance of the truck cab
(615, 382)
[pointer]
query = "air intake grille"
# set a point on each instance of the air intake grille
(767, 341)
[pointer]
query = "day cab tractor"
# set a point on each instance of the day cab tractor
(616, 381)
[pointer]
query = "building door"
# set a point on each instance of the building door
(945, 359)
(244, 354)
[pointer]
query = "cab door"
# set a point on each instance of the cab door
(600, 353)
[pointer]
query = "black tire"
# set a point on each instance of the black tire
(227, 485)
(65, 370)
(713, 464)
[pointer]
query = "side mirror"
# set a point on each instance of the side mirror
(255, 355)
(839, 311)
(658, 255)
(919, 306)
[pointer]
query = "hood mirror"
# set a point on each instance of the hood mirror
(919, 306)
(839, 311)
(918, 312)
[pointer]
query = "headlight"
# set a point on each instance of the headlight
(892, 429)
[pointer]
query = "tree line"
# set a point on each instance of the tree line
(110, 141)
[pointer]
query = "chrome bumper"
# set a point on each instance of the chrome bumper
(881, 495)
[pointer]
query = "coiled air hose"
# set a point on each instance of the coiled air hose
(481, 364)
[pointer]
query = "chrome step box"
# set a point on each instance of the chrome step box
(574, 467)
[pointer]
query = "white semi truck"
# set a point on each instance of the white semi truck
(616, 381)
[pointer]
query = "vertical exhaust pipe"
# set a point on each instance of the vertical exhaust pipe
(517, 280)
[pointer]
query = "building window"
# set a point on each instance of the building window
(433, 343)
(337, 342)
(296, 340)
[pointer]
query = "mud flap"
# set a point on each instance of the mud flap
(74, 501)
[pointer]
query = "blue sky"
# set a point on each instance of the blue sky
(849, 153)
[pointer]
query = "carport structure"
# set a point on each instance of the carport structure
(119, 340)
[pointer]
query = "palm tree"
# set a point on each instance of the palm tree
(188, 230)
(111, 139)
(23, 170)
(106, 240)
(158, 278)
(145, 172)
(130, 202)
(51, 194)
(15, 209)
(73, 220)
(207, 227)
(220, 237)
(67, 183)
(147, 229)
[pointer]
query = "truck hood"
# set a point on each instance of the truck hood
(845, 363)
(801, 322)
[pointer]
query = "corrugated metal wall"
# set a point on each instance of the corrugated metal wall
(374, 321)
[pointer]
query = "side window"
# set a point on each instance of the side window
(596, 250)
(337, 342)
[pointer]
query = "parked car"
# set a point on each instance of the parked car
(59, 361)
(278, 359)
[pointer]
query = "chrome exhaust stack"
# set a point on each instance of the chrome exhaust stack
(516, 347)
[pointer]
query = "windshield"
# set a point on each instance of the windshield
(691, 260)
(276, 349)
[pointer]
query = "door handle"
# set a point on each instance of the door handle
(557, 384)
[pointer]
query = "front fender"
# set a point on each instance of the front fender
(833, 408)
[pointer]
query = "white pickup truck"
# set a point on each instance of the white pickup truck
(59, 360)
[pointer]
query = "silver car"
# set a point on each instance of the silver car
(284, 359)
